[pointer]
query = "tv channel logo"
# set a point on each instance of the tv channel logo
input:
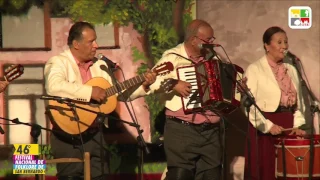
(300, 17)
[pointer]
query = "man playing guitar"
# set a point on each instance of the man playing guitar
(66, 75)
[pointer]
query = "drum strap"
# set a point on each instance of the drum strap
(284, 160)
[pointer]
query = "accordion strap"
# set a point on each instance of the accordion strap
(182, 57)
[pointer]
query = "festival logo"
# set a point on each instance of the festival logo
(25, 159)
(300, 17)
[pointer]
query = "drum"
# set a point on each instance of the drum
(293, 158)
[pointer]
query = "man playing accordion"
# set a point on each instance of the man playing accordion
(192, 144)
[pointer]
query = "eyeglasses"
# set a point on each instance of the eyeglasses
(210, 41)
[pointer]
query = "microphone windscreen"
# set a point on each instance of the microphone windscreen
(100, 56)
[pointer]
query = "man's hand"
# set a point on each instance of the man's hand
(98, 94)
(3, 85)
(275, 129)
(150, 79)
(183, 88)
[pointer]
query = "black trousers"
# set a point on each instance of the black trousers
(61, 149)
(194, 149)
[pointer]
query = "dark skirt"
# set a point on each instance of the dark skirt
(262, 150)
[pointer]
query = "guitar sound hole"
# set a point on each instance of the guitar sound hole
(96, 103)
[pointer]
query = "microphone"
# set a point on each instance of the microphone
(55, 98)
(201, 46)
(287, 53)
(110, 63)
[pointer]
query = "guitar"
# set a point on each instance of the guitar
(62, 116)
(13, 72)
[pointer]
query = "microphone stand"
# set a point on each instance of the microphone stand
(69, 103)
(141, 142)
(248, 102)
(210, 56)
(100, 118)
(314, 108)
(1, 130)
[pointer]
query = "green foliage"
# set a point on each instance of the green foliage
(155, 106)
(139, 12)
(138, 55)
(143, 68)
(162, 39)
(162, 36)
(18, 4)
(96, 12)
(18, 7)
(5, 168)
(46, 151)
(115, 158)
(152, 167)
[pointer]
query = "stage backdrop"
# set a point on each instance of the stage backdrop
(119, 42)
(124, 42)
(238, 26)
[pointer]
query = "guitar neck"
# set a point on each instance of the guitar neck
(124, 85)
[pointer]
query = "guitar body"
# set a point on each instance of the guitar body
(64, 118)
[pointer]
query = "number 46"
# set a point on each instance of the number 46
(25, 149)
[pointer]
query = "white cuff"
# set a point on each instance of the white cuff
(268, 126)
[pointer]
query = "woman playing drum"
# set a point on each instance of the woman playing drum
(277, 91)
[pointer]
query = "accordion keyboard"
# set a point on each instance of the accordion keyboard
(192, 102)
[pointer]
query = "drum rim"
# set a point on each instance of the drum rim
(289, 140)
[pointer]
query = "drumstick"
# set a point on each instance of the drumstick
(289, 129)
(302, 127)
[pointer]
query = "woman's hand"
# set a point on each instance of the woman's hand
(275, 130)
(298, 132)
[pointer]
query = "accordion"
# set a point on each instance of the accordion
(214, 86)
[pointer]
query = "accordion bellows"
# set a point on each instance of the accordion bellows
(214, 86)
